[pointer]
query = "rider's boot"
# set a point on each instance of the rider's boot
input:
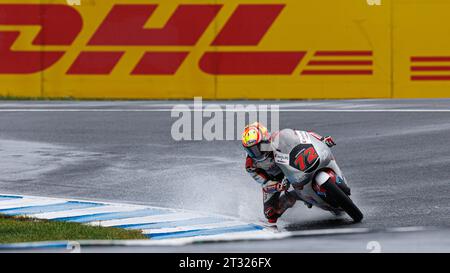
(284, 202)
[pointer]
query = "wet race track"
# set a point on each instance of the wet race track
(395, 155)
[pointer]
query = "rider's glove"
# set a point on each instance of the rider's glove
(284, 184)
(274, 186)
(329, 141)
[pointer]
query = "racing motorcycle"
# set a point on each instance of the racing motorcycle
(310, 167)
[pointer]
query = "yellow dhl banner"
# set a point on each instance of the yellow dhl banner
(287, 49)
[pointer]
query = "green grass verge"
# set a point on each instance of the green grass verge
(22, 229)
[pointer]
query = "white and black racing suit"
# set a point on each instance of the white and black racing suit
(276, 199)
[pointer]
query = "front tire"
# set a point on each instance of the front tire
(341, 199)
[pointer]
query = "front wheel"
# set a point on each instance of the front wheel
(343, 201)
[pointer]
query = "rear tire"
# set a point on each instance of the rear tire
(340, 198)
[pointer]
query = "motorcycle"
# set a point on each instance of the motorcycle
(311, 169)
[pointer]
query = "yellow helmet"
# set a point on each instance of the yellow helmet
(252, 137)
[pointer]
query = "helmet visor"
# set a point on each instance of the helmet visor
(258, 151)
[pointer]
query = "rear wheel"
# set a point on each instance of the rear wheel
(342, 200)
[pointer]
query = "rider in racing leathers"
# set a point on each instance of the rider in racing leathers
(261, 166)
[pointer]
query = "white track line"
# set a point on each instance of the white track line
(194, 227)
(406, 229)
(322, 232)
(228, 237)
(252, 236)
(25, 202)
(83, 212)
(233, 110)
(146, 219)
(248, 236)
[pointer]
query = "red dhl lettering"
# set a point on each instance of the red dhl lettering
(60, 25)
(124, 26)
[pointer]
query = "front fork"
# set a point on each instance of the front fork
(329, 175)
(314, 194)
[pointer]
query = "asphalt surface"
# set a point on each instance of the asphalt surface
(394, 153)
(428, 241)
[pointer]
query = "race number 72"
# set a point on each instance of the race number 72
(306, 159)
